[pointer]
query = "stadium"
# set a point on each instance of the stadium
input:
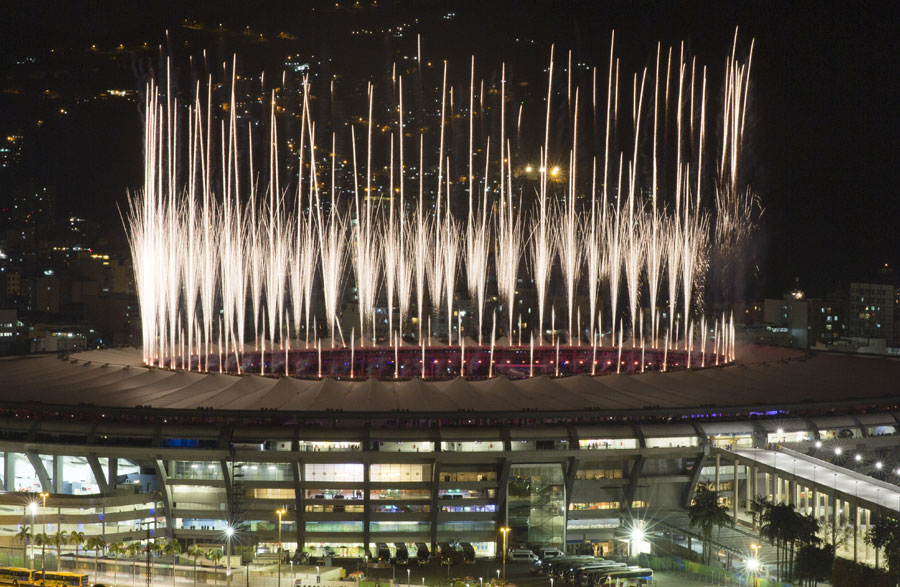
(127, 451)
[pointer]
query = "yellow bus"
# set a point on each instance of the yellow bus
(60, 579)
(16, 576)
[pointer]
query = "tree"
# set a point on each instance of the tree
(59, 539)
(885, 535)
(194, 552)
(25, 536)
(76, 539)
(706, 513)
(813, 563)
(116, 549)
(173, 549)
(43, 541)
(133, 550)
(214, 555)
(155, 548)
(775, 526)
(98, 545)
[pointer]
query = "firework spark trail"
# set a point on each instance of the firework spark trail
(332, 237)
(614, 231)
(478, 241)
(569, 240)
(390, 244)
(634, 253)
(420, 237)
(507, 251)
(245, 253)
(450, 235)
(405, 262)
(541, 249)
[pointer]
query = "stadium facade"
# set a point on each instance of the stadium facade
(123, 450)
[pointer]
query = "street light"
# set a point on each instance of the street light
(280, 513)
(44, 496)
(505, 531)
(33, 508)
(753, 563)
(229, 532)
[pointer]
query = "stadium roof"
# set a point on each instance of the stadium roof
(114, 379)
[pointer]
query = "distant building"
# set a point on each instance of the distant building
(787, 320)
(828, 320)
(872, 311)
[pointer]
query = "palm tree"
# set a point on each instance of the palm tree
(706, 513)
(214, 555)
(24, 535)
(173, 549)
(61, 537)
(133, 550)
(194, 552)
(778, 524)
(116, 548)
(42, 540)
(156, 547)
(97, 544)
(76, 539)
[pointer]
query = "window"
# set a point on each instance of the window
(195, 470)
(468, 476)
(400, 494)
(607, 443)
(599, 473)
(672, 441)
(594, 505)
(264, 471)
(346, 526)
(402, 473)
(339, 472)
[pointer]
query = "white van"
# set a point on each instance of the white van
(521, 556)
(550, 552)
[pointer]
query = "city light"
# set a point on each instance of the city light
(837, 451)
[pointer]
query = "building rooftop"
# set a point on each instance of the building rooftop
(764, 380)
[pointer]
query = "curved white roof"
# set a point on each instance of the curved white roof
(114, 378)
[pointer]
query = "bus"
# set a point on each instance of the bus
(60, 579)
(630, 577)
(16, 575)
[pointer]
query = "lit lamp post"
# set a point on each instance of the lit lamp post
(408, 576)
(505, 531)
(44, 496)
(280, 513)
(753, 563)
(33, 508)
(229, 532)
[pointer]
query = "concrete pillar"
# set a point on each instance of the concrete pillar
(815, 501)
(57, 474)
(9, 471)
(855, 519)
(748, 486)
(834, 519)
(868, 518)
(718, 464)
(736, 498)
(755, 486)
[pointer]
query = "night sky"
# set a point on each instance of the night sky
(823, 145)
